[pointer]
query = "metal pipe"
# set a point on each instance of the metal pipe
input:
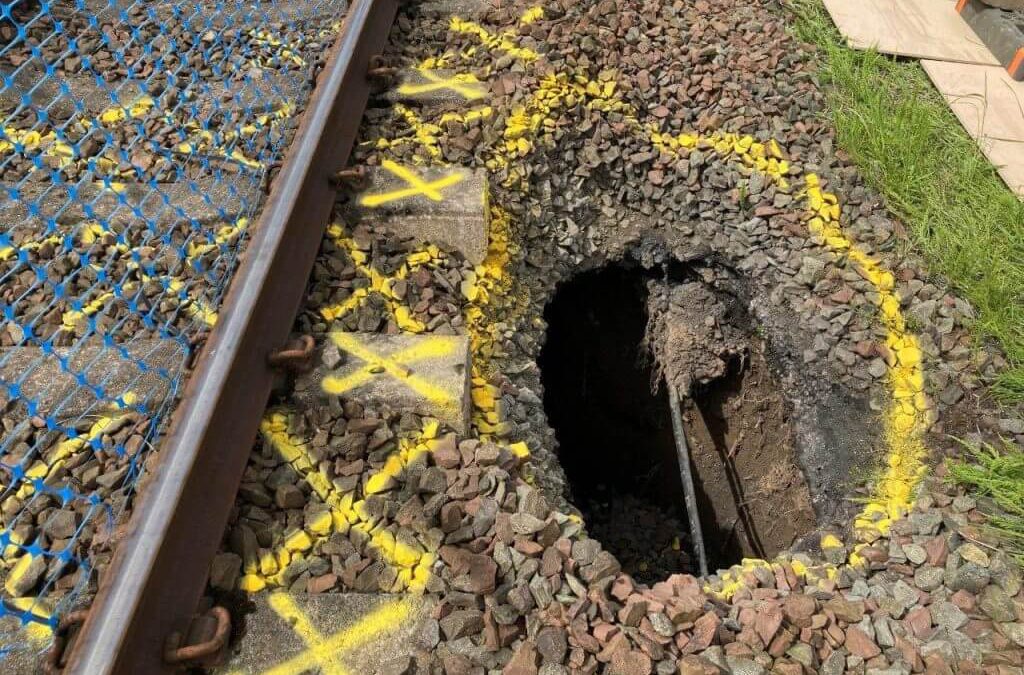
(159, 571)
(686, 473)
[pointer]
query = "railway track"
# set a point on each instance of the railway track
(361, 474)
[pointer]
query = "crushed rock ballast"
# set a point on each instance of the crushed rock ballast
(687, 140)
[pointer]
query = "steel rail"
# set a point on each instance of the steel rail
(159, 571)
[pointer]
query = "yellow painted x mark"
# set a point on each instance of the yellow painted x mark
(326, 652)
(417, 186)
(466, 86)
(394, 364)
(379, 283)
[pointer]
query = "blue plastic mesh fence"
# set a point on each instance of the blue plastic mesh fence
(136, 142)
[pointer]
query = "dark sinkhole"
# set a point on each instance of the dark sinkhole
(614, 435)
(618, 451)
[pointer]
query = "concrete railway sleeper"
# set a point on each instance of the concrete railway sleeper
(574, 246)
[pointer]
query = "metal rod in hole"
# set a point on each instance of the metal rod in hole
(683, 453)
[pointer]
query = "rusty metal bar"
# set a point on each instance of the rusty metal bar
(159, 571)
(686, 474)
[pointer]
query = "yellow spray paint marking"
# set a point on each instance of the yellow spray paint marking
(8, 252)
(136, 109)
(417, 186)
(195, 306)
(228, 234)
(379, 283)
(765, 158)
(38, 633)
(70, 446)
(325, 653)
(736, 578)
(465, 85)
(412, 565)
(427, 135)
(394, 364)
(504, 42)
(908, 416)
(267, 39)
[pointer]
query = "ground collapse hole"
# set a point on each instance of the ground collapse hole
(617, 448)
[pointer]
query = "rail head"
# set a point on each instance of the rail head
(159, 571)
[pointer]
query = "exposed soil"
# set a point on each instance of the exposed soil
(741, 443)
(752, 495)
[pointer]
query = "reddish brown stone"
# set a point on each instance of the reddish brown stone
(911, 656)
(798, 609)
(704, 631)
(781, 643)
(635, 609)
(859, 644)
(767, 623)
(934, 664)
(605, 632)
(523, 662)
(788, 668)
(937, 550)
(321, 583)
(965, 600)
(695, 665)
(622, 587)
(474, 573)
(850, 611)
(919, 622)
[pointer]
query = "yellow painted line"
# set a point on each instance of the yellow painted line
(70, 446)
(426, 135)
(228, 234)
(734, 579)
(465, 85)
(379, 283)
(909, 413)
(325, 653)
(38, 633)
(411, 566)
(416, 186)
(8, 252)
(504, 42)
(393, 365)
(765, 158)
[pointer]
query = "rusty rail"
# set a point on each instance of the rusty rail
(159, 571)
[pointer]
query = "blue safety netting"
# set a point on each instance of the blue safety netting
(136, 142)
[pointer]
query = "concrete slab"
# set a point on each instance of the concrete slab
(426, 374)
(147, 371)
(22, 649)
(436, 88)
(466, 9)
(45, 92)
(321, 633)
(204, 199)
(446, 206)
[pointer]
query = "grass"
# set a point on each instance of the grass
(997, 473)
(964, 221)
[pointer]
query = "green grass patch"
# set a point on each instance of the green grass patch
(962, 218)
(997, 473)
